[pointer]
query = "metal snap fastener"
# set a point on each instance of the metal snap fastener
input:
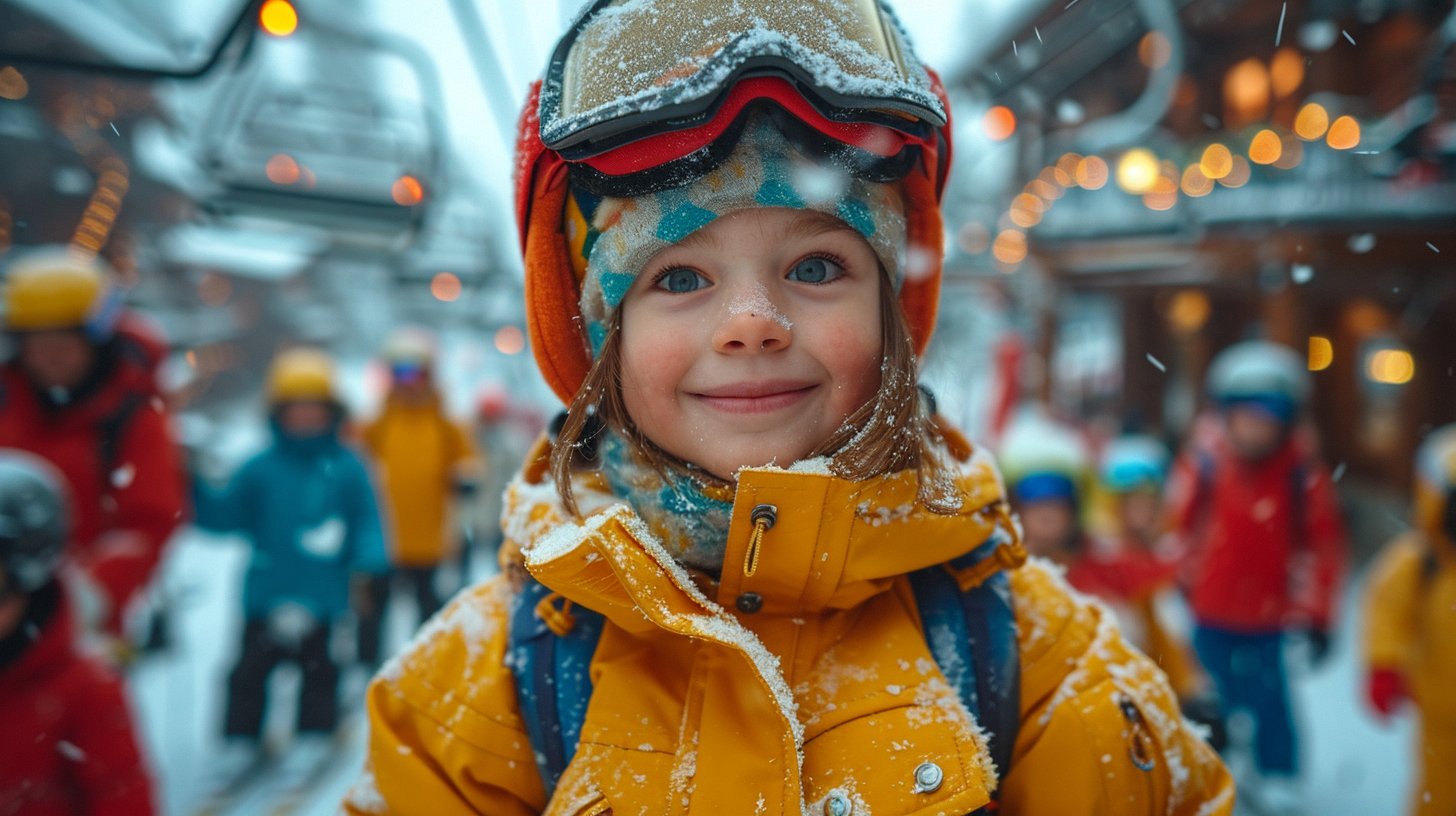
(928, 777)
(838, 805)
(749, 602)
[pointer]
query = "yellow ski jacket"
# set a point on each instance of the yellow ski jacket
(826, 691)
(419, 452)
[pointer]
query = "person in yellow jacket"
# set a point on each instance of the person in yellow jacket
(1410, 637)
(753, 572)
(424, 460)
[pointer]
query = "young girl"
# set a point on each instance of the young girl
(751, 574)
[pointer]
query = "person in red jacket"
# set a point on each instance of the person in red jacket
(1265, 542)
(66, 744)
(80, 392)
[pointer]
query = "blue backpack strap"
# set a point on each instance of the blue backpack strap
(553, 684)
(972, 636)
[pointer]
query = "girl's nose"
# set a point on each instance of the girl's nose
(751, 325)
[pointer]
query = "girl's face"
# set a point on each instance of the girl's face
(750, 341)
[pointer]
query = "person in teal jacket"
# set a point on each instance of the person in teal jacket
(308, 508)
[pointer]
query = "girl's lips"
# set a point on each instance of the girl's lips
(755, 397)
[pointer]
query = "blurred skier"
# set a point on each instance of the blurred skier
(425, 460)
(1410, 639)
(1046, 467)
(307, 507)
(80, 393)
(1266, 547)
(67, 746)
(1134, 570)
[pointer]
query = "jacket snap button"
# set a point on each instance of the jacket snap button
(749, 602)
(928, 777)
(838, 805)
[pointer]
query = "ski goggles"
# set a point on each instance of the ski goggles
(407, 373)
(644, 96)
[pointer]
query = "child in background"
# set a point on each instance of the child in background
(752, 573)
(1261, 522)
(307, 507)
(424, 462)
(1046, 469)
(66, 742)
(1410, 637)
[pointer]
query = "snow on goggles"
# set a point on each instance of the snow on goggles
(633, 69)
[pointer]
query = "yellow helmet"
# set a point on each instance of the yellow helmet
(52, 288)
(301, 374)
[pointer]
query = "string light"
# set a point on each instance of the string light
(278, 17)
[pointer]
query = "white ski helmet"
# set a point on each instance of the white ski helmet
(1134, 462)
(34, 520)
(410, 345)
(1435, 484)
(1042, 459)
(1258, 371)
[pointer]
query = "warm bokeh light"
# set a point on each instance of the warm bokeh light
(282, 169)
(1163, 195)
(1246, 92)
(1195, 183)
(1023, 216)
(1027, 201)
(1312, 122)
(12, 84)
(1291, 152)
(1239, 175)
(1391, 366)
(1265, 148)
(1321, 353)
(1056, 179)
(1010, 247)
(278, 17)
(1154, 51)
(1344, 133)
(445, 286)
(1216, 162)
(1137, 170)
(1286, 71)
(999, 123)
(1045, 190)
(1091, 173)
(1188, 311)
(407, 191)
(1068, 164)
(973, 238)
(509, 340)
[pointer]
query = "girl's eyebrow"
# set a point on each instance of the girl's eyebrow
(811, 223)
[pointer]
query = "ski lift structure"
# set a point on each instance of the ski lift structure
(312, 134)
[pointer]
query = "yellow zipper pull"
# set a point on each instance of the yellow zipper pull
(763, 518)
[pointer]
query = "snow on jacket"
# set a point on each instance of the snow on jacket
(113, 445)
(1411, 624)
(700, 708)
(307, 506)
(419, 452)
(1137, 584)
(67, 747)
(1265, 553)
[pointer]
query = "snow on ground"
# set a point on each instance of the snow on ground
(178, 694)
(1354, 765)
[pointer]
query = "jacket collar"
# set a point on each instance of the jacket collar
(834, 543)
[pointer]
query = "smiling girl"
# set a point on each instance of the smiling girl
(753, 572)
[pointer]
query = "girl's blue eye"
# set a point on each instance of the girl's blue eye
(815, 270)
(680, 281)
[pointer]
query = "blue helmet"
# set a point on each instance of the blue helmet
(1134, 462)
